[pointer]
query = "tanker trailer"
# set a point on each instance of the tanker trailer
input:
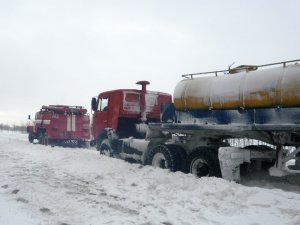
(256, 102)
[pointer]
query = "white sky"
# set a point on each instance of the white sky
(65, 52)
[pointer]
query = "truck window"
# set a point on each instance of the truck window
(103, 104)
(132, 97)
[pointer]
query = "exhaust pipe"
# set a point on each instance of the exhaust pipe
(143, 99)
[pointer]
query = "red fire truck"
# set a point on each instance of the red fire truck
(61, 125)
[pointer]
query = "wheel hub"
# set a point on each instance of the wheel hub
(105, 150)
(159, 160)
(200, 168)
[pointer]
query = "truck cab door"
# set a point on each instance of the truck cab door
(101, 115)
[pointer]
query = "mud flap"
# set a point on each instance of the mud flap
(230, 160)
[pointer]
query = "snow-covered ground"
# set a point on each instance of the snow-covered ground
(64, 186)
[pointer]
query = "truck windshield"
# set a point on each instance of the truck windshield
(103, 103)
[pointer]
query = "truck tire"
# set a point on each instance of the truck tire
(98, 144)
(43, 138)
(46, 138)
(81, 144)
(161, 156)
(201, 163)
(30, 138)
(179, 156)
(105, 148)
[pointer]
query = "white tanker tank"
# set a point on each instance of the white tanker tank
(243, 87)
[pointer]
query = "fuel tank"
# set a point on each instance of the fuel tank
(263, 88)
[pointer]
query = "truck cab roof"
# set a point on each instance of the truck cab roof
(64, 109)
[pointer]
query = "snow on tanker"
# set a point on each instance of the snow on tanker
(61, 125)
(191, 134)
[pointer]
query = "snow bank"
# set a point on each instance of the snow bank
(76, 186)
(11, 214)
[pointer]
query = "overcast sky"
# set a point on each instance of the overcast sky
(66, 52)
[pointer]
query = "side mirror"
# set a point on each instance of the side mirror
(94, 104)
(28, 117)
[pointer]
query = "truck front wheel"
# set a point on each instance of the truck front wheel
(161, 156)
(43, 138)
(105, 148)
(201, 163)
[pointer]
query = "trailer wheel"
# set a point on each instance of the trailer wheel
(105, 148)
(161, 156)
(201, 163)
(179, 156)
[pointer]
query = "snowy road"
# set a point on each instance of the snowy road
(63, 186)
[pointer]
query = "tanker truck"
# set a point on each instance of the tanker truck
(192, 134)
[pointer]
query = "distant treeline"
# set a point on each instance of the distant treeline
(21, 128)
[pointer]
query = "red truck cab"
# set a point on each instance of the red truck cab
(125, 112)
